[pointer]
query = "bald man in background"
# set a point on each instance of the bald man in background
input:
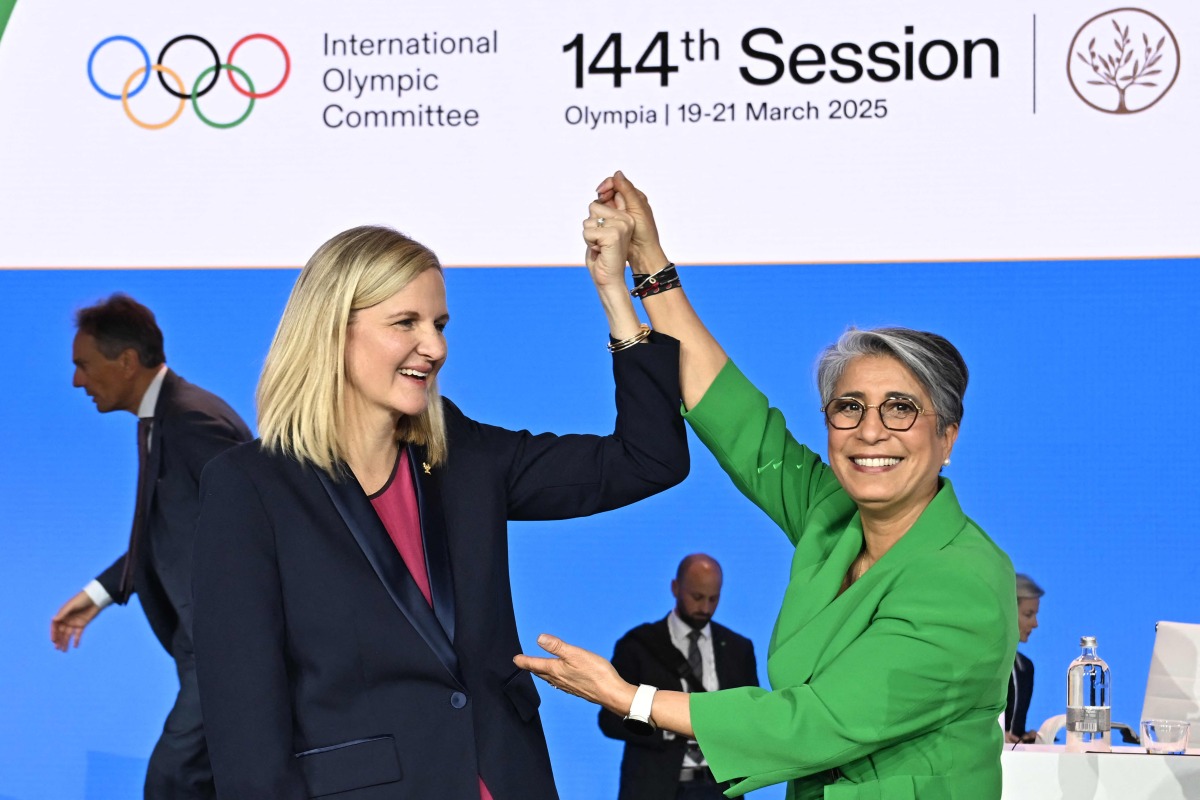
(685, 649)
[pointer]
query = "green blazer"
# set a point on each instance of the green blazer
(892, 690)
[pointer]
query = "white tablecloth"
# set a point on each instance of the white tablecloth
(1048, 772)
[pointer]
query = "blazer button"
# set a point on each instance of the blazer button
(458, 699)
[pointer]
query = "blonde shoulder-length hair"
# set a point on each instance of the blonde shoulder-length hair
(301, 394)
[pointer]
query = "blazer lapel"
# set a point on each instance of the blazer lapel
(662, 634)
(941, 521)
(811, 591)
(356, 511)
(719, 659)
(437, 545)
(149, 481)
(660, 638)
(815, 624)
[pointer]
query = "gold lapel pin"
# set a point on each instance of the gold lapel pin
(427, 468)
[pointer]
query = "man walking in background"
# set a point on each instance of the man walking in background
(120, 363)
(684, 650)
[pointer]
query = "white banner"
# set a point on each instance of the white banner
(763, 132)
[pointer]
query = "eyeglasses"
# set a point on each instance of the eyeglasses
(896, 413)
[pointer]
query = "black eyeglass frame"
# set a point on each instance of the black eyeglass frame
(878, 407)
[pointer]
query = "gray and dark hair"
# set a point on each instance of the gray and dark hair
(121, 323)
(1027, 588)
(936, 363)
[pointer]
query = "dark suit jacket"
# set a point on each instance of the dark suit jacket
(651, 764)
(323, 670)
(1020, 690)
(191, 426)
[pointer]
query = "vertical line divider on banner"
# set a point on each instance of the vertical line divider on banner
(1034, 63)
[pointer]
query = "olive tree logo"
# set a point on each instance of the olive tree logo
(1123, 61)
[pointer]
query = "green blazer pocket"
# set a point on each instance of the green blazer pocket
(895, 787)
(356, 764)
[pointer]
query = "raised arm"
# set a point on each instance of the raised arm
(670, 312)
(608, 231)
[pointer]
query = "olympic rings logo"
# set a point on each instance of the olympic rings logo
(210, 73)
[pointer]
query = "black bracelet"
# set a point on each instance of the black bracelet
(664, 280)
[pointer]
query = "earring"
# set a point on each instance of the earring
(946, 463)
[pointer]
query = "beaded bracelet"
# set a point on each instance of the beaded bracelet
(639, 337)
(663, 280)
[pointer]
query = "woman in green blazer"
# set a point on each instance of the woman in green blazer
(891, 653)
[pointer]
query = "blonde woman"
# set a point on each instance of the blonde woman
(354, 623)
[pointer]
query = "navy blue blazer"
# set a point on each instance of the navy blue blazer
(323, 670)
(191, 426)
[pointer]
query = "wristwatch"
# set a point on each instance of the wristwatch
(637, 721)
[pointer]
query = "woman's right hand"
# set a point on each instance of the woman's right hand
(700, 356)
(645, 251)
(584, 674)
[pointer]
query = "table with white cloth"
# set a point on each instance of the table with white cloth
(1049, 772)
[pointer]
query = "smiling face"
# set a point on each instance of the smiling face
(886, 472)
(1027, 611)
(393, 351)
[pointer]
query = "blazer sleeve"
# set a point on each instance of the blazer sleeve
(933, 650)
(110, 579)
(751, 442)
(558, 477)
(238, 630)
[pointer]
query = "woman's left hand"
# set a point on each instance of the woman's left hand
(579, 672)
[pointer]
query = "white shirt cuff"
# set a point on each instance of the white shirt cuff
(96, 591)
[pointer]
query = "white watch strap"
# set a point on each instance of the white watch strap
(643, 701)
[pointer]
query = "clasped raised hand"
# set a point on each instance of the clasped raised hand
(607, 231)
(645, 250)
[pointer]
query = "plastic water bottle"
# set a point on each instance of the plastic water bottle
(1089, 704)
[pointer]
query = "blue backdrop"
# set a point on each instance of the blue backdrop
(1075, 455)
